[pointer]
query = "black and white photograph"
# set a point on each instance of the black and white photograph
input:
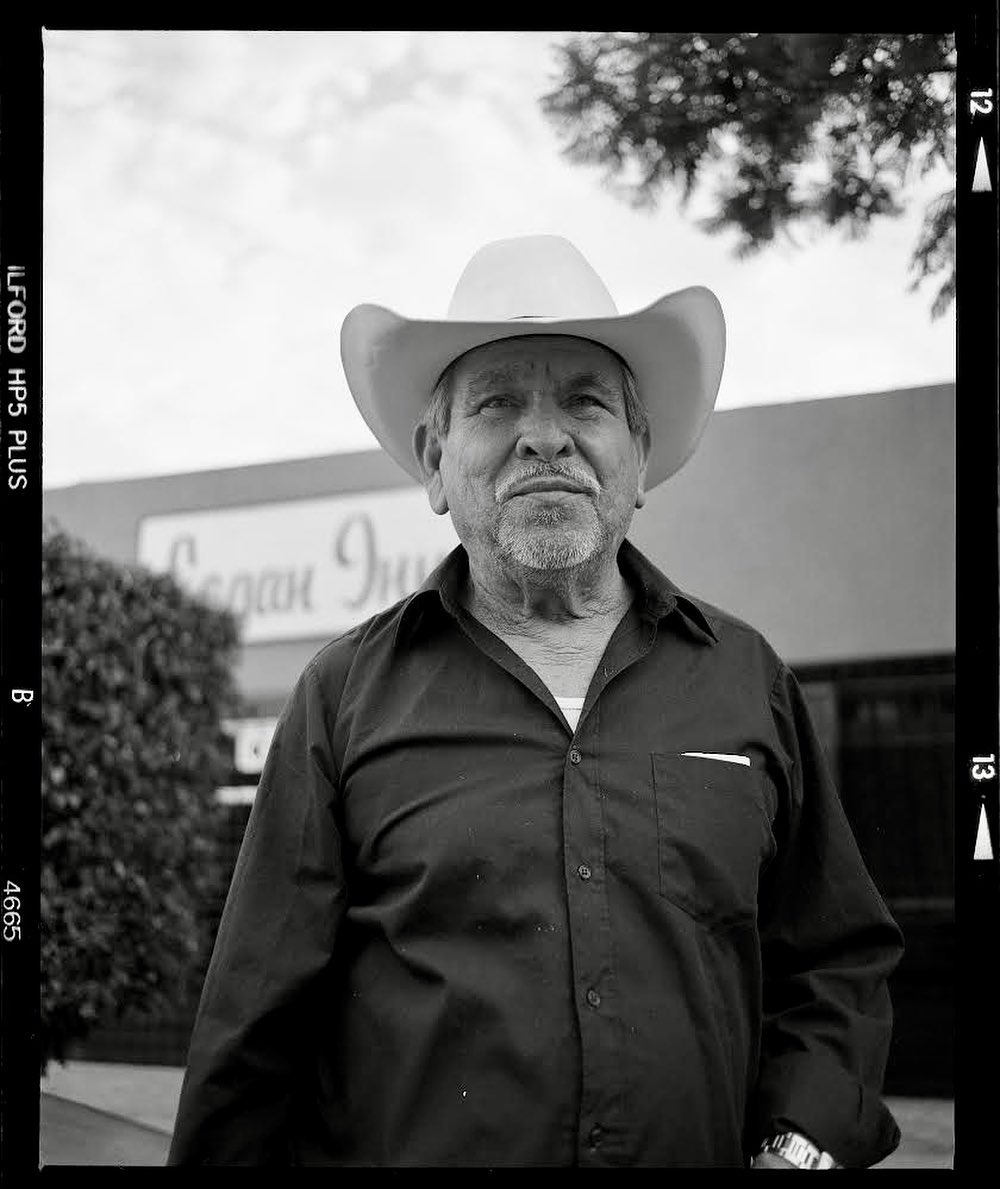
(498, 598)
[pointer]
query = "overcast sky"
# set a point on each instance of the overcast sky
(215, 203)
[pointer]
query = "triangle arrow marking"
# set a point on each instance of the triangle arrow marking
(981, 178)
(984, 848)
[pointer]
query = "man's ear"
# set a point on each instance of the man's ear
(642, 447)
(427, 449)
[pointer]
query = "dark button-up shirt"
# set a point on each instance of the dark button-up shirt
(460, 933)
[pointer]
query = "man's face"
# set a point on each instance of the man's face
(539, 465)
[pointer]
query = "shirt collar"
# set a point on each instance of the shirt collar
(656, 596)
(659, 597)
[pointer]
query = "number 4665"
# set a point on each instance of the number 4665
(11, 912)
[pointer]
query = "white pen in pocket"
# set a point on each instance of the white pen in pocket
(725, 757)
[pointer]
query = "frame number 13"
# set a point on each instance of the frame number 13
(983, 768)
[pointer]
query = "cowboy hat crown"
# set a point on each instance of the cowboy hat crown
(535, 276)
(532, 285)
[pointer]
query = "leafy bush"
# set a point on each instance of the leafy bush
(136, 678)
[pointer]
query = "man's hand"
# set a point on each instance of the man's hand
(770, 1160)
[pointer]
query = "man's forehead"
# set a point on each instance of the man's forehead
(533, 357)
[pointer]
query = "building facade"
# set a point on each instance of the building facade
(827, 524)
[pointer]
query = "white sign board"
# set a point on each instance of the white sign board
(301, 569)
(251, 741)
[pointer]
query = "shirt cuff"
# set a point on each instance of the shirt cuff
(813, 1095)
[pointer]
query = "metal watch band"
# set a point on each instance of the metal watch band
(798, 1150)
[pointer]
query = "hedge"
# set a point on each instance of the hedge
(136, 680)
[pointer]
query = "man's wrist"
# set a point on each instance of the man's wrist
(798, 1151)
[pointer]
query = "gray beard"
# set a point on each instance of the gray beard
(549, 542)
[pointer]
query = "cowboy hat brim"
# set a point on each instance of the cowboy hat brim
(675, 349)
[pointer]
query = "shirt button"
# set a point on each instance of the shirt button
(584, 871)
(595, 1136)
(574, 756)
(593, 998)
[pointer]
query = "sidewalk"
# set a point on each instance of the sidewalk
(99, 1113)
(71, 1133)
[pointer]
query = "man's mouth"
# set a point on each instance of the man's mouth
(553, 483)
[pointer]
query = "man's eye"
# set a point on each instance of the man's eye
(585, 399)
(496, 402)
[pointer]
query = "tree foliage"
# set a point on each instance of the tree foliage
(136, 678)
(781, 129)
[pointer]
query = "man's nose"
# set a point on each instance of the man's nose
(543, 436)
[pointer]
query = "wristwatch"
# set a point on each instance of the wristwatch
(798, 1150)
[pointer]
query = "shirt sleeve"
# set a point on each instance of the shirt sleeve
(828, 947)
(275, 937)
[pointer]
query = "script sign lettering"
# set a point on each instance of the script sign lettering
(301, 569)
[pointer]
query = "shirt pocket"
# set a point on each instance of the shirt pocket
(713, 824)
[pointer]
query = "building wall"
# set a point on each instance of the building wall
(828, 524)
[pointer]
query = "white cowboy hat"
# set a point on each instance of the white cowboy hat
(540, 284)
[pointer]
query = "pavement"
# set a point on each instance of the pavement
(99, 1113)
(73, 1133)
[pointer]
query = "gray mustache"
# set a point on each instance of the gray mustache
(587, 482)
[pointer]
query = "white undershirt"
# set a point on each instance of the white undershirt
(571, 708)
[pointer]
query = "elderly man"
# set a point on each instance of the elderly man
(545, 866)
